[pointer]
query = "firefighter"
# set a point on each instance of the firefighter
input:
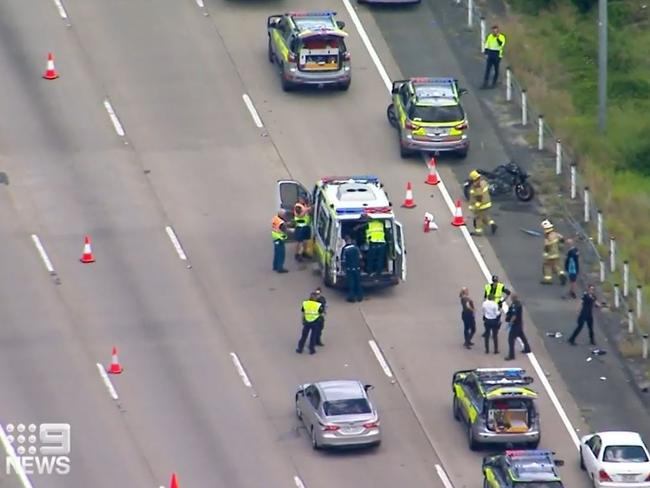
(552, 242)
(480, 202)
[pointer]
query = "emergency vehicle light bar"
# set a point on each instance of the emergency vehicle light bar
(321, 13)
(434, 81)
(358, 210)
(521, 453)
(355, 179)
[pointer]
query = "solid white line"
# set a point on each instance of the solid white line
(443, 476)
(380, 358)
(13, 459)
(59, 6)
(298, 482)
(176, 243)
(240, 370)
(251, 109)
(468, 238)
(114, 119)
(41, 251)
(200, 3)
(107, 382)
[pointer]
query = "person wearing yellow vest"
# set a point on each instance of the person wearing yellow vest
(376, 238)
(302, 224)
(279, 235)
(480, 202)
(552, 242)
(497, 289)
(493, 50)
(312, 316)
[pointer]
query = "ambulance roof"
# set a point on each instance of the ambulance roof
(353, 196)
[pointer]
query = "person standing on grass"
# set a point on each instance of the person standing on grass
(586, 315)
(572, 266)
(493, 50)
(467, 315)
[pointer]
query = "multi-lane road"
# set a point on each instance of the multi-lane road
(183, 150)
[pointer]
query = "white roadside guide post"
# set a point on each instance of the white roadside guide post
(558, 157)
(630, 321)
(508, 84)
(524, 108)
(482, 34)
(573, 181)
(639, 301)
(540, 132)
(617, 296)
(626, 278)
(645, 346)
(601, 265)
(470, 13)
(612, 254)
(599, 228)
(587, 215)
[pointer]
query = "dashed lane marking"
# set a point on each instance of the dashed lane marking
(200, 3)
(41, 251)
(116, 122)
(177, 244)
(107, 381)
(298, 482)
(442, 474)
(380, 358)
(61, 9)
(240, 370)
(251, 108)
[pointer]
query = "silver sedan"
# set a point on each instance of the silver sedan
(338, 414)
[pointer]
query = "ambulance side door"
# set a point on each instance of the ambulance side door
(288, 193)
(400, 250)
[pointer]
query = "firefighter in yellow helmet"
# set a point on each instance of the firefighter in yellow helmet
(552, 242)
(480, 203)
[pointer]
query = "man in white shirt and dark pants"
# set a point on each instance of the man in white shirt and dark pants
(491, 320)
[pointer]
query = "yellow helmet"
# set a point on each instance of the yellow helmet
(547, 226)
(474, 175)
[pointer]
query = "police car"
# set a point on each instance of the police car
(309, 48)
(428, 116)
(342, 206)
(522, 469)
(497, 406)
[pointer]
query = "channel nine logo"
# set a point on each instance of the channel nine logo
(39, 448)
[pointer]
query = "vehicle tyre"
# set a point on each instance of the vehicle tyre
(298, 411)
(314, 441)
(456, 408)
(525, 191)
(271, 56)
(326, 277)
(582, 461)
(471, 441)
(344, 86)
(287, 86)
(466, 191)
(485, 483)
(462, 153)
(392, 117)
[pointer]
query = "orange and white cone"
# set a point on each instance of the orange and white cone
(458, 215)
(115, 367)
(432, 178)
(174, 483)
(87, 256)
(409, 202)
(50, 72)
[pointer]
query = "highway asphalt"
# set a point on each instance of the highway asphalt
(192, 158)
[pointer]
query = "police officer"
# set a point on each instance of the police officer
(279, 235)
(496, 289)
(301, 222)
(376, 238)
(552, 241)
(323, 301)
(515, 320)
(480, 202)
(311, 321)
(586, 315)
(493, 50)
(351, 260)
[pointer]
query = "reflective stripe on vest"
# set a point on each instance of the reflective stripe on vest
(302, 221)
(276, 229)
(311, 310)
(492, 44)
(498, 290)
(375, 232)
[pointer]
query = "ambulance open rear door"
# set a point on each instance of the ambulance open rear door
(400, 250)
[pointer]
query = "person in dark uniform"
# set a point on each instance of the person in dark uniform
(586, 315)
(311, 321)
(515, 320)
(323, 301)
(351, 260)
(467, 315)
(279, 236)
(492, 322)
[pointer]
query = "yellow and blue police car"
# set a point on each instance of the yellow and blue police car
(522, 469)
(497, 407)
(309, 48)
(428, 116)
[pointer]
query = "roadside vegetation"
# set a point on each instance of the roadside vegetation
(553, 48)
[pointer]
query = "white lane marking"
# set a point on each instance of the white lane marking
(200, 3)
(298, 482)
(13, 459)
(43, 254)
(176, 243)
(240, 370)
(251, 109)
(468, 238)
(443, 476)
(107, 382)
(380, 357)
(61, 9)
(116, 122)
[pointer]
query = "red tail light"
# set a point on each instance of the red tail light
(330, 428)
(371, 425)
(346, 56)
(462, 126)
(603, 476)
(292, 57)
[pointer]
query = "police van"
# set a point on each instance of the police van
(342, 206)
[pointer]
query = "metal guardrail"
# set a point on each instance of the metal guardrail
(627, 291)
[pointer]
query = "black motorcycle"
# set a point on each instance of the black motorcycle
(503, 180)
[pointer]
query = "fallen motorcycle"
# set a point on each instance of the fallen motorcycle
(504, 179)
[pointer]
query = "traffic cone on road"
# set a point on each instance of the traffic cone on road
(432, 179)
(408, 201)
(115, 367)
(50, 72)
(458, 215)
(174, 481)
(87, 256)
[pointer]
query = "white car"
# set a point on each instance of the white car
(615, 460)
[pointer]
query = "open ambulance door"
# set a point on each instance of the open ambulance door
(400, 250)
(288, 193)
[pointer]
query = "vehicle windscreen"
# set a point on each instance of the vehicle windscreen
(540, 484)
(353, 406)
(625, 454)
(439, 115)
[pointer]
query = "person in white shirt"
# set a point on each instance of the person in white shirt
(491, 321)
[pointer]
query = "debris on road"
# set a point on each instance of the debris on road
(531, 232)
(556, 334)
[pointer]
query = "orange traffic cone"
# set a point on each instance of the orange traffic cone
(87, 256)
(50, 72)
(408, 201)
(115, 367)
(174, 481)
(458, 215)
(432, 179)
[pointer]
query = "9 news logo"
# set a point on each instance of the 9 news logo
(39, 449)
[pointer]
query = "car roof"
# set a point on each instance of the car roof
(333, 390)
(435, 91)
(504, 382)
(354, 196)
(620, 437)
(532, 465)
(314, 21)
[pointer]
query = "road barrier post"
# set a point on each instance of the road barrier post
(470, 13)
(524, 108)
(612, 254)
(558, 157)
(601, 265)
(573, 181)
(599, 228)
(587, 215)
(626, 279)
(645, 346)
(482, 40)
(639, 301)
(508, 84)
(630, 321)
(617, 296)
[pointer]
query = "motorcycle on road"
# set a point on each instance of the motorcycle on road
(505, 179)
